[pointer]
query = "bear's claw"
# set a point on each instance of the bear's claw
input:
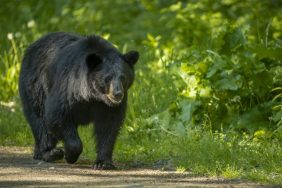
(53, 155)
(101, 165)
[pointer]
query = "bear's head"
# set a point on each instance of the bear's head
(110, 73)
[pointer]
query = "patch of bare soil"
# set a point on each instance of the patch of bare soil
(18, 169)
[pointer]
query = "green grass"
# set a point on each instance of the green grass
(13, 126)
(218, 154)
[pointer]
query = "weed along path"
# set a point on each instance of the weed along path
(17, 169)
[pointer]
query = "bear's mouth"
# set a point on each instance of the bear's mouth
(114, 100)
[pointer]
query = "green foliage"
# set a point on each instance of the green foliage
(277, 111)
(229, 71)
(14, 130)
(207, 94)
(10, 63)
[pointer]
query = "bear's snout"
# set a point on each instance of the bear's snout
(115, 94)
(118, 95)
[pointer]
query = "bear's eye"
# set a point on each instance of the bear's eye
(122, 78)
(108, 79)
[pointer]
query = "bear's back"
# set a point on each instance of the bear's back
(33, 82)
(44, 50)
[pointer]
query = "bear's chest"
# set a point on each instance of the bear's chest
(85, 113)
(82, 113)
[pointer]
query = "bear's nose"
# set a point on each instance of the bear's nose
(118, 95)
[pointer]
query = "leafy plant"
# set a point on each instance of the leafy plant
(10, 62)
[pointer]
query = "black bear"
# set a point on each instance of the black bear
(68, 80)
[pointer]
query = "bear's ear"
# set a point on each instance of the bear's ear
(131, 57)
(92, 60)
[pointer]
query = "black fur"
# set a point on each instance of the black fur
(68, 80)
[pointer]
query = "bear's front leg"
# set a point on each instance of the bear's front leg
(66, 130)
(72, 143)
(107, 127)
(105, 138)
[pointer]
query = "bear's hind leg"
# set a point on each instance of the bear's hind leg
(48, 148)
(36, 128)
(45, 143)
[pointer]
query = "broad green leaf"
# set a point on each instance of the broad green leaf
(254, 119)
(234, 39)
(187, 110)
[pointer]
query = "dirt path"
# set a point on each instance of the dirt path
(17, 169)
